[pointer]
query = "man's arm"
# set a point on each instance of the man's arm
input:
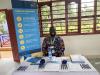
(62, 46)
(44, 47)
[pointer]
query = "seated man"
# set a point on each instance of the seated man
(55, 41)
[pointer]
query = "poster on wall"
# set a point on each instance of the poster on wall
(27, 30)
(30, 4)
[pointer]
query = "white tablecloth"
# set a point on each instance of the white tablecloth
(53, 69)
(57, 73)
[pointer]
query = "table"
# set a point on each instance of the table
(53, 69)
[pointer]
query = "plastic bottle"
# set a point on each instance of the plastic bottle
(50, 53)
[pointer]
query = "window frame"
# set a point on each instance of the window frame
(79, 17)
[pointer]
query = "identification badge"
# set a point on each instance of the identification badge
(52, 48)
(53, 51)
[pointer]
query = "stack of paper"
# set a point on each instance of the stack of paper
(77, 59)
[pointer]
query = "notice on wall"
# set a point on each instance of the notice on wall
(27, 30)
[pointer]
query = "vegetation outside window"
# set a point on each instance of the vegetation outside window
(4, 36)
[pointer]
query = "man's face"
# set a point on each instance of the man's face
(52, 34)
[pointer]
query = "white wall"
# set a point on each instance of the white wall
(82, 44)
(5, 4)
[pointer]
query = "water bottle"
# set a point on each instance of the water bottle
(50, 53)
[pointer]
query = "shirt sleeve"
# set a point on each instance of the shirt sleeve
(62, 46)
(44, 47)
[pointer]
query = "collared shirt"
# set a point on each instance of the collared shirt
(56, 42)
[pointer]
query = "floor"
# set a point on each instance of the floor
(6, 54)
(7, 66)
(95, 62)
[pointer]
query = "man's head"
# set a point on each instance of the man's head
(52, 31)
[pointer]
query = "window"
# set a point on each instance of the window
(46, 18)
(45, 11)
(98, 16)
(60, 26)
(73, 17)
(72, 25)
(58, 13)
(53, 14)
(43, 0)
(70, 16)
(86, 25)
(98, 7)
(87, 19)
(98, 23)
(58, 10)
(87, 7)
(3, 23)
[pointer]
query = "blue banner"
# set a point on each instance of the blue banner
(27, 30)
(24, 4)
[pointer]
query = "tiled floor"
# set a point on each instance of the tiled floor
(95, 62)
(7, 66)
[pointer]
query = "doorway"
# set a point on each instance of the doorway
(5, 45)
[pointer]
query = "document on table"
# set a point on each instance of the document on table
(74, 67)
(52, 67)
(77, 59)
(55, 65)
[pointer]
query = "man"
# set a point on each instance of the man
(55, 42)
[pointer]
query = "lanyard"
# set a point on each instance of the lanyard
(52, 41)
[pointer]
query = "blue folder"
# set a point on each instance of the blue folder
(34, 60)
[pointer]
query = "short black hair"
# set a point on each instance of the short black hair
(52, 30)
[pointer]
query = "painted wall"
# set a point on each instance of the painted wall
(5, 4)
(80, 44)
